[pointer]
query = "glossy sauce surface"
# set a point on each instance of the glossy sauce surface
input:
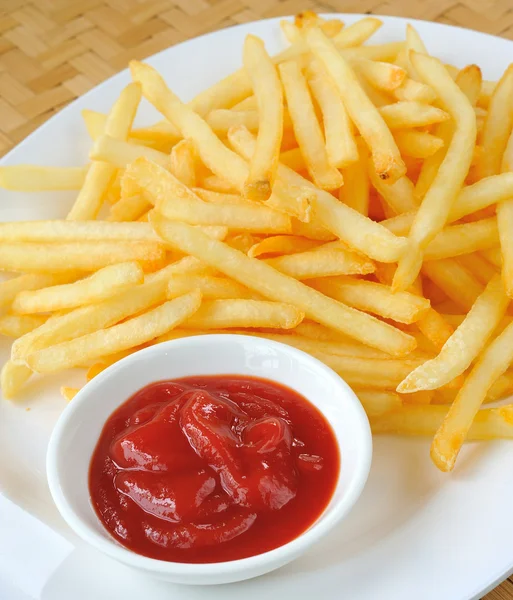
(212, 468)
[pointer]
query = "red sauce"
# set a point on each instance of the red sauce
(211, 469)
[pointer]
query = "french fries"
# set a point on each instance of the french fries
(353, 201)
(435, 207)
(268, 92)
(103, 284)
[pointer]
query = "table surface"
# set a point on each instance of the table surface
(52, 51)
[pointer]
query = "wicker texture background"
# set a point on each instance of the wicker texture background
(52, 51)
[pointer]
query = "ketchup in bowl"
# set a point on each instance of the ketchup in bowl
(212, 468)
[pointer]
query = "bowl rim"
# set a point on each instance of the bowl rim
(111, 547)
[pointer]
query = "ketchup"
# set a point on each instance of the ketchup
(212, 468)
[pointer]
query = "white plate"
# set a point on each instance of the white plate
(415, 533)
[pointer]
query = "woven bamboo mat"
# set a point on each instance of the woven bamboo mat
(52, 51)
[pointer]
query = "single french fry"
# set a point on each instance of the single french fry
(455, 281)
(372, 297)
(133, 332)
(86, 319)
(281, 244)
(400, 195)
(417, 144)
(218, 288)
(465, 343)
(378, 402)
(306, 127)
(82, 256)
(492, 363)
(68, 393)
(463, 239)
(32, 178)
(358, 231)
(340, 143)
(220, 197)
(272, 284)
(505, 223)
(60, 231)
(383, 76)
(384, 52)
(269, 94)
(10, 288)
(216, 184)
(489, 424)
(94, 122)
(182, 162)
(435, 208)
(17, 325)
(403, 115)
(13, 377)
(385, 154)
(497, 126)
(218, 314)
(357, 33)
(295, 201)
(99, 286)
(121, 153)
(321, 263)
(213, 153)
(129, 208)
(414, 91)
(117, 125)
(355, 191)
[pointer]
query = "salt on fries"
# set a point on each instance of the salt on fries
(349, 199)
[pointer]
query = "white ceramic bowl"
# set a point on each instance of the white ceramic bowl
(77, 431)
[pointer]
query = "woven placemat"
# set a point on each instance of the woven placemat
(52, 51)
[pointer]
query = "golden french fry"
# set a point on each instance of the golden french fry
(321, 263)
(99, 286)
(463, 239)
(269, 282)
(372, 297)
(378, 402)
(129, 208)
(133, 332)
(400, 195)
(492, 363)
(117, 125)
(482, 270)
(418, 144)
(340, 143)
(355, 191)
(357, 33)
(403, 115)
(121, 153)
(465, 343)
(268, 92)
(293, 200)
(220, 197)
(435, 208)
(215, 314)
(306, 127)
(84, 320)
(68, 393)
(182, 162)
(384, 52)
(358, 231)
(32, 178)
(216, 184)
(94, 122)
(10, 288)
(489, 424)
(497, 126)
(281, 244)
(213, 153)
(385, 154)
(162, 132)
(210, 287)
(414, 91)
(75, 231)
(383, 76)
(17, 325)
(83, 256)
(455, 281)
(13, 377)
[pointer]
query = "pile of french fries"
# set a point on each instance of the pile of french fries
(352, 200)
